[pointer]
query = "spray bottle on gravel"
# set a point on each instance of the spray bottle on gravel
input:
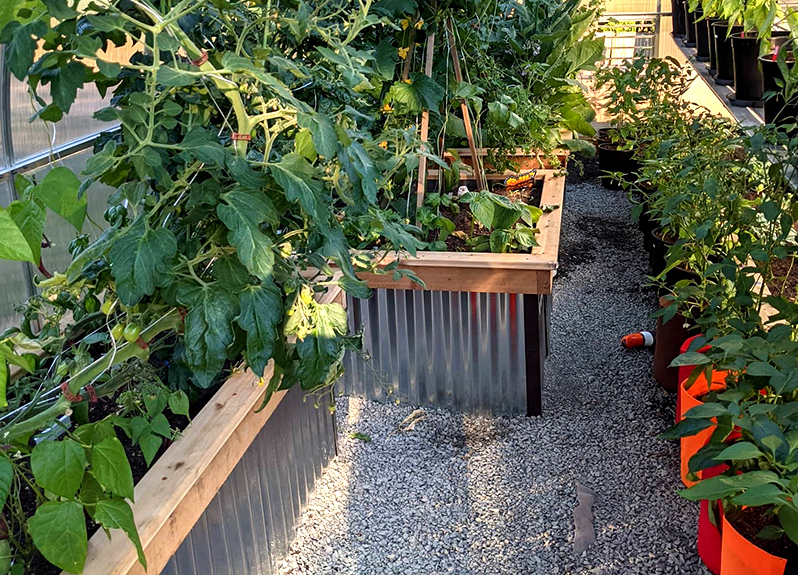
(639, 339)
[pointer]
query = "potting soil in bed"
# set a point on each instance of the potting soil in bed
(470, 494)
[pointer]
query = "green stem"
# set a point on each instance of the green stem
(171, 321)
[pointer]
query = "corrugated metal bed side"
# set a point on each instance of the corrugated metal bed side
(460, 350)
(250, 523)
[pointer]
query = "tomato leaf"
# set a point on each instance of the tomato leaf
(242, 213)
(296, 176)
(209, 332)
(261, 312)
(141, 260)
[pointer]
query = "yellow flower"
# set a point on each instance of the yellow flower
(387, 108)
(419, 24)
(405, 23)
(403, 53)
(408, 81)
(383, 145)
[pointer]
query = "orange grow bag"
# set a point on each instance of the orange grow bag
(739, 556)
(687, 401)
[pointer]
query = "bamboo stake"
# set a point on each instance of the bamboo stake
(464, 107)
(421, 185)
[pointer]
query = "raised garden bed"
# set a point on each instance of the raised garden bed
(486, 297)
(178, 489)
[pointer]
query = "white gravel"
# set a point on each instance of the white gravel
(475, 495)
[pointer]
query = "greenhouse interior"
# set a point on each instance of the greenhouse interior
(401, 287)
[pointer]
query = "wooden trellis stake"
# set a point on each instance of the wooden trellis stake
(458, 75)
(422, 161)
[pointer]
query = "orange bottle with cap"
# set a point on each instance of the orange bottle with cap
(639, 339)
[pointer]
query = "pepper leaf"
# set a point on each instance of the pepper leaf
(111, 467)
(58, 529)
(58, 466)
(141, 261)
(59, 192)
(115, 513)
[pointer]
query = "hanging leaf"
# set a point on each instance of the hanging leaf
(322, 130)
(13, 244)
(209, 332)
(141, 260)
(59, 192)
(6, 479)
(242, 213)
(30, 218)
(115, 513)
(261, 312)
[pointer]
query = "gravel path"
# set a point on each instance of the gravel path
(490, 495)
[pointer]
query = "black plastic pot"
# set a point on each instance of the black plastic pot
(701, 37)
(777, 111)
(689, 24)
(603, 136)
(659, 251)
(747, 76)
(677, 14)
(723, 52)
(611, 159)
(713, 61)
(748, 81)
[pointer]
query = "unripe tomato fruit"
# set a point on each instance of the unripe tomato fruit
(132, 332)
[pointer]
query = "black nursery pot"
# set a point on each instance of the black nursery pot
(677, 15)
(701, 37)
(611, 159)
(713, 61)
(748, 80)
(724, 62)
(659, 251)
(777, 111)
(689, 25)
(747, 77)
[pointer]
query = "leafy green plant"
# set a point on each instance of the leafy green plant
(511, 224)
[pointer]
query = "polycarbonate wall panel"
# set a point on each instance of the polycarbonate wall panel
(250, 523)
(58, 230)
(459, 350)
(14, 277)
(32, 138)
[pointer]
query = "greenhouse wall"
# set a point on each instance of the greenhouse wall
(249, 524)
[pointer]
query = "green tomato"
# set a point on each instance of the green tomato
(117, 331)
(132, 332)
(107, 305)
